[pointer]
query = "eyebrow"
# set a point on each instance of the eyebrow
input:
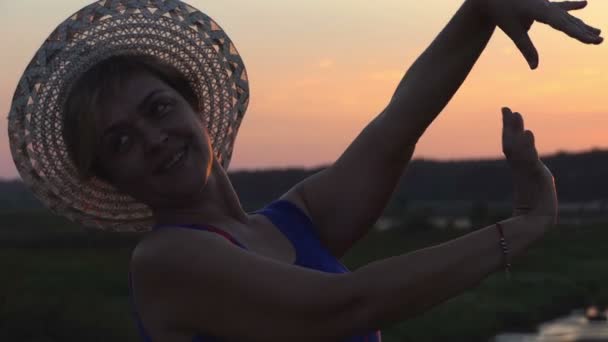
(140, 106)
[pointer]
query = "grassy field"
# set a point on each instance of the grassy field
(566, 270)
(61, 284)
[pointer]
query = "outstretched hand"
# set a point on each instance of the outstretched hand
(515, 17)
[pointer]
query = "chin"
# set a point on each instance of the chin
(179, 185)
(189, 186)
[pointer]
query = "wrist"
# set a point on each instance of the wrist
(480, 6)
(534, 189)
(482, 9)
(546, 210)
(541, 220)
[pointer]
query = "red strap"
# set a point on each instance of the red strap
(205, 227)
(224, 234)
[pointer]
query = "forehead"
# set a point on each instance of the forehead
(121, 100)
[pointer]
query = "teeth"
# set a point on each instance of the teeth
(175, 159)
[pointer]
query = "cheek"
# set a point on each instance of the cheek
(129, 170)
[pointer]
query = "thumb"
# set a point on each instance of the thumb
(571, 5)
(522, 40)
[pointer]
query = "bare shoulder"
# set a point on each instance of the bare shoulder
(192, 286)
(161, 253)
(163, 265)
(167, 246)
(152, 246)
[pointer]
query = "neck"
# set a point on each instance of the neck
(216, 204)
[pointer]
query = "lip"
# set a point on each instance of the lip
(186, 150)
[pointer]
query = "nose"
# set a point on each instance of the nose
(156, 139)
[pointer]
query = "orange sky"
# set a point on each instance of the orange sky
(320, 70)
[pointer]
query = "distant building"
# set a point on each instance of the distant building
(386, 223)
(456, 215)
(445, 222)
(462, 223)
(440, 222)
(580, 213)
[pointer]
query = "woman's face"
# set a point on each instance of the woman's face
(152, 145)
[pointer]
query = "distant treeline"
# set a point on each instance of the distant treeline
(579, 177)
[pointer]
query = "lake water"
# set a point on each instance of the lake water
(572, 328)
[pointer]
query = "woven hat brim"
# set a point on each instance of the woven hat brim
(173, 31)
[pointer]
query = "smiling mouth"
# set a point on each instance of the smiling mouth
(177, 159)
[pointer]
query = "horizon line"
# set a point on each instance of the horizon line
(421, 158)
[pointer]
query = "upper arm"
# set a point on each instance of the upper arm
(346, 199)
(222, 290)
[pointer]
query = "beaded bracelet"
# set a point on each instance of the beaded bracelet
(505, 250)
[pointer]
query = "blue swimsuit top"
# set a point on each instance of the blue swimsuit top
(310, 253)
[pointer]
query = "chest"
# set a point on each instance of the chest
(296, 243)
(266, 239)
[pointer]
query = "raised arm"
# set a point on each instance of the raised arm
(347, 198)
(211, 286)
(432, 275)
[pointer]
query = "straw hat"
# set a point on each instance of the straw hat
(172, 31)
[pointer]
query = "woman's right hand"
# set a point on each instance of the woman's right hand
(534, 184)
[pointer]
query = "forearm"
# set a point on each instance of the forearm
(435, 76)
(403, 286)
(359, 184)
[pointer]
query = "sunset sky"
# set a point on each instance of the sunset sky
(320, 70)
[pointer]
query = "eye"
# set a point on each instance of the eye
(162, 107)
(121, 143)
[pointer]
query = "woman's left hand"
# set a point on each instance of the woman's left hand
(515, 17)
(533, 181)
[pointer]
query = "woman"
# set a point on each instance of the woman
(208, 270)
